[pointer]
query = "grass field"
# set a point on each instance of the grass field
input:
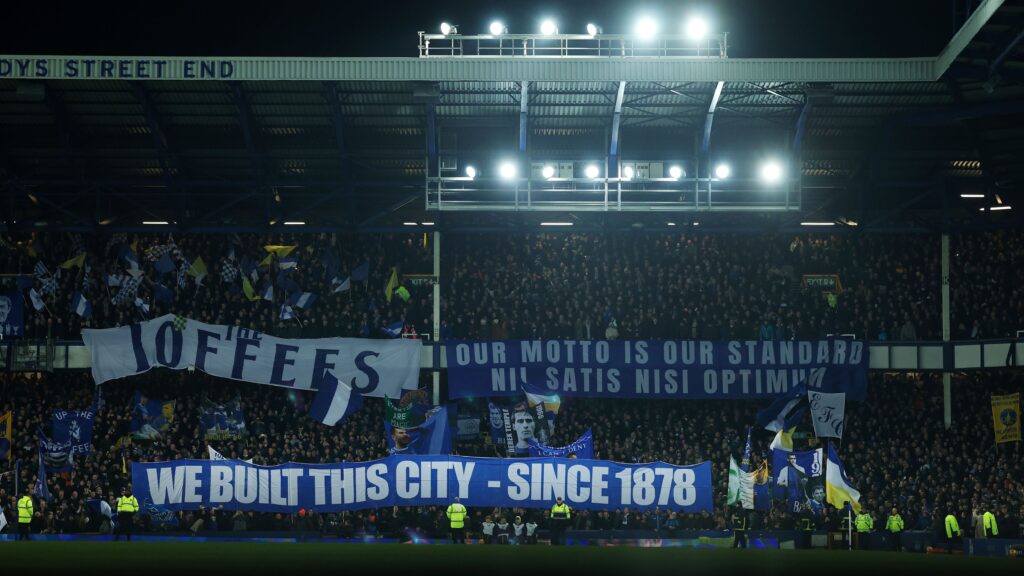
(145, 558)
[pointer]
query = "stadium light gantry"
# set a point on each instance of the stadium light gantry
(675, 172)
(696, 28)
(548, 171)
(627, 173)
(497, 28)
(507, 170)
(722, 171)
(548, 28)
(593, 29)
(592, 171)
(646, 27)
(771, 172)
(470, 172)
(447, 28)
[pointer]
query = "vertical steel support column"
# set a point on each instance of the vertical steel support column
(947, 408)
(436, 335)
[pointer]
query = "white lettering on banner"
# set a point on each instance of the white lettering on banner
(420, 480)
(372, 367)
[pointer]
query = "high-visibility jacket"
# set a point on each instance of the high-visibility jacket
(894, 524)
(456, 514)
(865, 523)
(127, 504)
(989, 522)
(25, 510)
(560, 511)
(952, 527)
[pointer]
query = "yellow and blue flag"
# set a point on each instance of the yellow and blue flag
(1006, 417)
(837, 486)
(6, 435)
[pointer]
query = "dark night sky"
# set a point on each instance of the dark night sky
(367, 28)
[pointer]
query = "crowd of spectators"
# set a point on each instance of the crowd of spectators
(636, 285)
(896, 450)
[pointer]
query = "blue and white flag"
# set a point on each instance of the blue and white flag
(113, 280)
(394, 330)
(222, 421)
(786, 411)
(828, 413)
(286, 312)
(81, 306)
(583, 448)
(268, 292)
(55, 455)
(798, 478)
(338, 285)
(745, 463)
(142, 305)
(334, 401)
(12, 314)
(289, 263)
(432, 436)
(100, 508)
(150, 417)
(74, 429)
(302, 300)
(42, 489)
(37, 299)
(158, 515)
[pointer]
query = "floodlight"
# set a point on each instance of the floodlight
(646, 27)
(696, 28)
(497, 28)
(548, 28)
(471, 172)
(447, 29)
(592, 171)
(722, 171)
(627, 172)
(593, 30)
(548, 171)
(675, 172)
(507, 170)
(771, 172)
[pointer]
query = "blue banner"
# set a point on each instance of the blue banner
(12, 314)
(583, 448)
(74, 427)
(431, 436)
(222, 421)
(799, 478)
(422, 481)
(150, 417)
(656, 369)
(54, 456)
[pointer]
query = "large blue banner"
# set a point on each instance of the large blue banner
(74, 427)
(422, 481)
(583, 447)
(799, 478)
(656, 369)
(12, 314)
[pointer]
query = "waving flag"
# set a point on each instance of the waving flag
(280, 251)
(786, 411)
(334, 401)
(394, 330)
(302, 300)
(75, 262)
(389, 288)
(81, 306)
(37, 299)
(741, 486)
(286, 312)
(6, 435)
(837, 486)
(268, 292)
(338, 285)
(248, 290)
(361, 273)
(198, 270)
(164, 265)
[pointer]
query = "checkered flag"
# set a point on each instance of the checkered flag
(183, 273)
(41, 270)
(228, 271)
(180, 322)
(128, 289)
(85, 277)
(157, 252)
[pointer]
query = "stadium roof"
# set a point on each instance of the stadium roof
(343, 143)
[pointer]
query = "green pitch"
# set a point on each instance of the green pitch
(146, 558)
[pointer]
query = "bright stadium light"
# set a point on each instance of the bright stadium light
(447, 29)
(471, 172)
(627, 172)
(427, 223)
(294, 223)
(817, 223)
(771, 172)
(497, 28)
(591, 171)
(548, 171)
(408, 223)
(722, 171)
(593, 29)
(646, 27)
(696, 28)
(1003, 207)
(548, 28)
(507, 170)
(556, 223)
(972, 195)
(154, 222)
(675, 172)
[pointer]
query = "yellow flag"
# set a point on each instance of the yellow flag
(279, 251)
(198, 268)
(268, 260)
(75, 262)
(6, 425)
(247, 288)
(1006, 417)
(392, 283)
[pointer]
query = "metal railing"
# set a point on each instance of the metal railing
(713, 46)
